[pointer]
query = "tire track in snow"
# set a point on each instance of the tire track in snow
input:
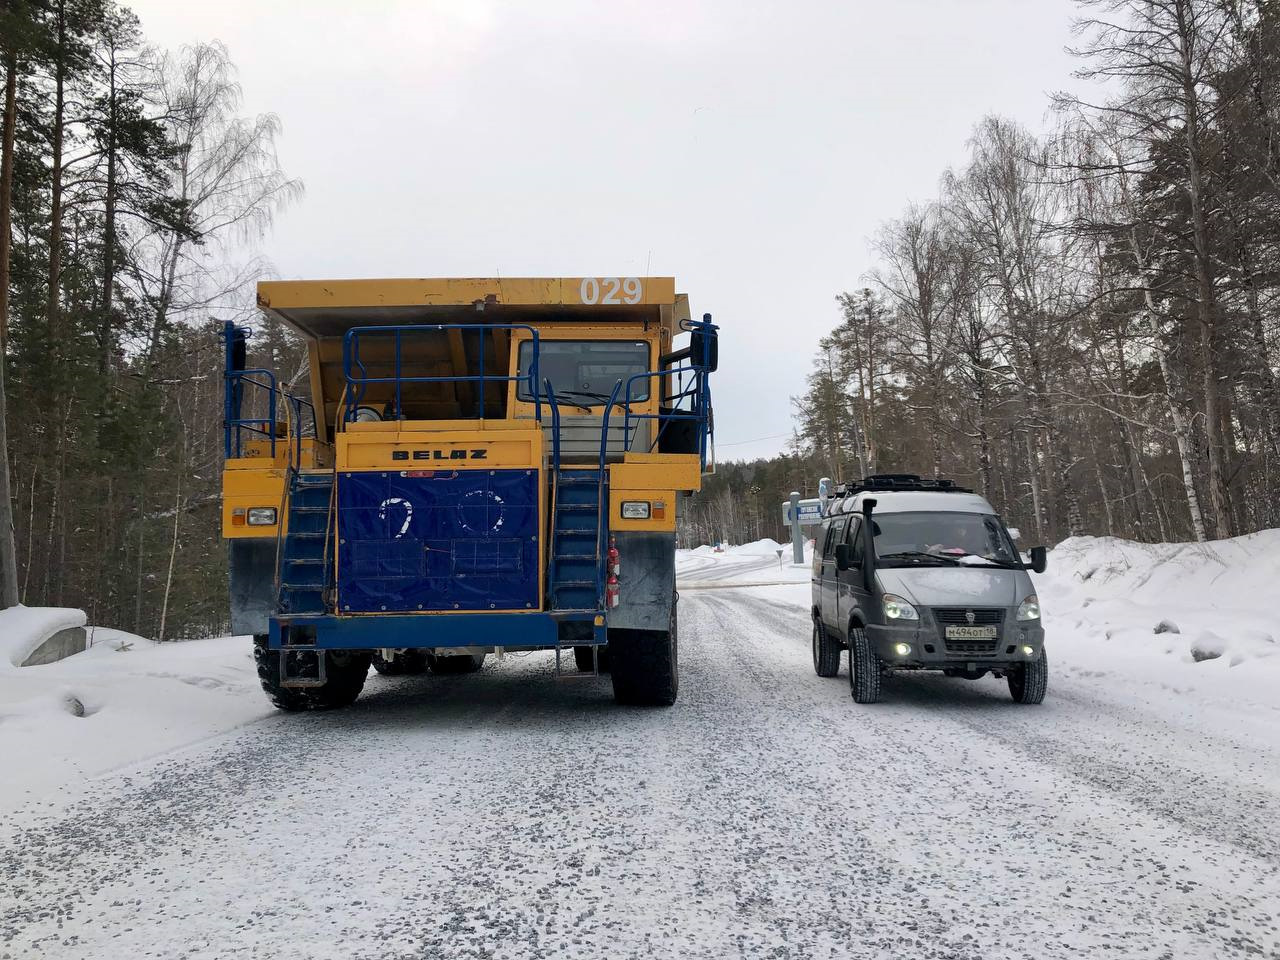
(1136, 836)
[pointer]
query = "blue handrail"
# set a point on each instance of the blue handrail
(357, 384)
(555, 427)
(235, 378)
(699, 390)
(235, 424)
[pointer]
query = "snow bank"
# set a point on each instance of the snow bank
(23, 629)
(1184, 616)
(758, 548)
(1201, 601)
(122, 700)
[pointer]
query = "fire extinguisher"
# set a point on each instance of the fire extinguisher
(611, 591)
(614, 564)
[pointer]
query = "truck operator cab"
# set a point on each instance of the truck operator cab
(912, 574)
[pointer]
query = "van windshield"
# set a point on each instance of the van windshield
(943, 539)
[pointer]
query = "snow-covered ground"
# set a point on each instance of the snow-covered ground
(505, 815)
(124, 699)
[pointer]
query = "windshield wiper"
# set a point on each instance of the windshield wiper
(919, 555)
(603, 398)
(564, 398)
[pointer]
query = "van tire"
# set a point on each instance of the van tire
(402, 663)
(645, 665)
(345, 673)
(1028, 682)
(864, 668)
(826, 652)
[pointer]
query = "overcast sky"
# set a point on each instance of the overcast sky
(748, 149)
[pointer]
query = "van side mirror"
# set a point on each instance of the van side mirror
(1039, 559)
(844, 556)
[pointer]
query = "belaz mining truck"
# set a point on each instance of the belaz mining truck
(477, 467)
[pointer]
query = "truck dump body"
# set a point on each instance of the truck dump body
(474, 459)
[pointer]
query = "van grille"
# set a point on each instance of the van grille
(959, 617)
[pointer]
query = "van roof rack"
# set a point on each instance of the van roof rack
(887, 482)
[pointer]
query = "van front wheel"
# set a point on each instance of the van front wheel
(826, 652)
(864, 668)
(1028, 682)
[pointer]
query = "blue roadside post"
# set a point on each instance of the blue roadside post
(797, 538)
(798, 514)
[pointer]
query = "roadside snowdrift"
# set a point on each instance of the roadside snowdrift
(1204, 604)
(122, 700)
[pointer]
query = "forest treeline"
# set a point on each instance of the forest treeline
(1081, 326)
(131, 191)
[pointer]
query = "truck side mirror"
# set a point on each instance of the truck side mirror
(1039, 559)
(844, 556)
(704, 350)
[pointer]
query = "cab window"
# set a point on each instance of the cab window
(584, 372)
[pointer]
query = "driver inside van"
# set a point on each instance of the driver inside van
(963, 539)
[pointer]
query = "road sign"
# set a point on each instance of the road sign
(809, 512)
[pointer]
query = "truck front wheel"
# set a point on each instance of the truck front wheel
(455, 663)
(400, 663)
(645, 666)
(344, 670)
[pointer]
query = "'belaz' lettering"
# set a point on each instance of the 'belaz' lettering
(473, 454)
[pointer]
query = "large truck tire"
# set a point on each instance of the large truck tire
(826, 652)
(455, 663)
(1028, 682)
(345, 673)
(864, 668)
(402, 663)
(645, 665)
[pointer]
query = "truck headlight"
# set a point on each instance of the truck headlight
(261, 516)
(1029, 609)
(635, 509)
(896, 608)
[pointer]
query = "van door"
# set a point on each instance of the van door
(819, 549)
(848, 586)
(827, 601)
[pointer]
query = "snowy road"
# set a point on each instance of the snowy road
(766, 815)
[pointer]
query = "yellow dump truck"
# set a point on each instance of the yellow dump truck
(478, 466)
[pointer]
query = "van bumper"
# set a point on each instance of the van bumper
(930, 650)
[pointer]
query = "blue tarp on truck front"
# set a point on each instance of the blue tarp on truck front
(438, 540)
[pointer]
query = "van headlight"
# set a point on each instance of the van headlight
(1029, 609)
(896, 608)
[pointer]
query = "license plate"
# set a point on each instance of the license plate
(971, 633)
